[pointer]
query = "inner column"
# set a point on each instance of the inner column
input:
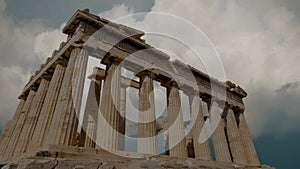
(176, 132)
(109, 116)
(198, 131)
(88, 129)
(147, 141)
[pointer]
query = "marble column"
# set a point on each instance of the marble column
(88, 129)
(251, 155)
(4, 133)
(122, 122)
(109, 116)
(219, 139)
(176, 131)
(147, 140)
(19, 125)
(31, 119)
(7, 140)
(39, 138)
(198, 131)
(63, 129)
(234, 138)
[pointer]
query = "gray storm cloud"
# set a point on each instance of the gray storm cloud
(259, 47)
(258, 42)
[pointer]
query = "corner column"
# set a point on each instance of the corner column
(176, 132)
(220, 143)
(248, 144)
(147, 141)
(234, 138)
(63, 129)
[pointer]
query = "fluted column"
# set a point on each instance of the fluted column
(19, 125)
(39, 138)
(220, 143)
(234, 138)
(109, 116)
(198, 131)
(252, 158)
(88, 129)
(7, 140)
(122, 122)
(31, 119)
(147, 140)
(4, 133)
(63, 129)
(176, 132)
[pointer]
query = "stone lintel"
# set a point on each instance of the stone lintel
(99, 74)
(165, 73)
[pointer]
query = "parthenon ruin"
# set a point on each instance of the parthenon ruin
(51, 102)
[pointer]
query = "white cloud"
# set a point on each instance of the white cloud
(46, 41)
(12, 79)
(116, 12)
(21, 47)
(258, 44)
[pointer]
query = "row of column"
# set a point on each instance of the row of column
(231, 142)
(49, 114)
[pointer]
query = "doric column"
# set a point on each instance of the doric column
(198, 131)
(234, 138)
(39, 138)
(4, 133)
(19, 125)
(31, 119)
(88, 129)
(63, 129)
(7, 140)
(218, 134)
(176, 132)
(109, 116)
(122, 122)
(147, 140)
(252, 158)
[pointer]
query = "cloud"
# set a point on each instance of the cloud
(42, 47)
(2, 5)
(288, 87)
(258, 42)
(116, 12)
(23, 49)
(259, 47)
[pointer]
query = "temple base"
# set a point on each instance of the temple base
(80, 158)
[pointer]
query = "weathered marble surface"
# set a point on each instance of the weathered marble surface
(62, 157)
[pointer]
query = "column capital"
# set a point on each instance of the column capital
(148, 73)
(109, 59)
(170, 83)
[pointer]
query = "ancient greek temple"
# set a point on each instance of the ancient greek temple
(50, 106)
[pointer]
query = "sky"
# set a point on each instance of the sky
(258, 44)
